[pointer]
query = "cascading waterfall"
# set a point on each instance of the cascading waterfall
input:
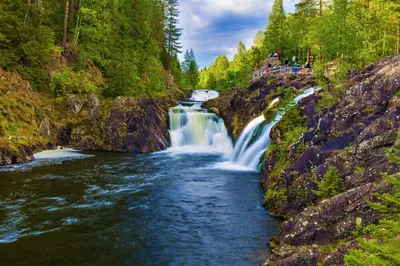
(203, 95)
(255, 138)
(193, 128)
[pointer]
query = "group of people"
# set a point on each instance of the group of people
(294, 65)
(277, 54)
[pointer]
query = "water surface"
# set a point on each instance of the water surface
(120, 209)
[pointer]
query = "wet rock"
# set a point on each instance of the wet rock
(74, 104)
(94, 104)
(46, 128)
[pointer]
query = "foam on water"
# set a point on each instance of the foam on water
(59, 154)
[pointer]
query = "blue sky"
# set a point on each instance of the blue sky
(214, 27)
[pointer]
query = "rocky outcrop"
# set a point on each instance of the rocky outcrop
(136, 125)
(81, 121)
(239, 106)
(351, 136)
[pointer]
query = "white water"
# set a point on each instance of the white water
(247, 153)
(203, 95)
(59, 154)
(193, 129)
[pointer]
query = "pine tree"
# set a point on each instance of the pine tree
(190, 70)
(330, 185)
(274, 39)
(171, 29)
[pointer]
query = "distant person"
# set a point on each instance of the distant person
(294, 60)
(286, 63)
(295, 68)
(271, 55)
(307, 65)
(265, 71)
(279, 55)
(276, 55)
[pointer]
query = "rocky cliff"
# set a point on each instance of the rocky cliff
(31, 121)
(350, 135)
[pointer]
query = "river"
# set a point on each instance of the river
(165, 208)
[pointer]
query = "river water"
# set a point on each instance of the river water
(166, 208)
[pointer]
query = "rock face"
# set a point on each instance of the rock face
(83, 121)
(351, 136)
(239, 106)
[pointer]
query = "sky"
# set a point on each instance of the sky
(215, 27)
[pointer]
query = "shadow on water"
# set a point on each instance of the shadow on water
(122, 209)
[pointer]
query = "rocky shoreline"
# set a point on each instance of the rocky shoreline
(351, 136)
(86, 122)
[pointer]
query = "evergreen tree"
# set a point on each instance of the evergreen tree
(171, 29)
(330, 185)
(190, 70)
(274, 33)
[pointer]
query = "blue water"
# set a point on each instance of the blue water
(121, 209)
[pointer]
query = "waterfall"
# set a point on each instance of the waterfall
(255, 138)
(193, 128)
(203, 95)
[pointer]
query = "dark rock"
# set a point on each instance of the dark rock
(338, 143)
(308, 159)
(333, 218)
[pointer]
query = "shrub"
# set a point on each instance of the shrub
(70, 81)
(330, 185)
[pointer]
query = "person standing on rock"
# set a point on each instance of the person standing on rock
(286, 62)
(279, 55)
(294, 60)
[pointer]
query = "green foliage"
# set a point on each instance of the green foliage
(359, 170)
(380, 247)
(70, 81)
(330, 97)
(369, 110)
(274, 34)
(124, 39)
(190, 70)
(389, 203)
(172, 32)
(330, 185)
(351, 33)
(278, 197)
(380, 243)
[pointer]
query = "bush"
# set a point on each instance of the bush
(330, 185)
(70, 81)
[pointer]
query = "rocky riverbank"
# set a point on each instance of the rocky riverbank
(32, 121)
(349, 134)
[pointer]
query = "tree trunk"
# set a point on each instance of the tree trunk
(64, 40)
(77, 26)
(73, 7)
(320, 8)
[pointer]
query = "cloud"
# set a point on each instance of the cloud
(214, 27)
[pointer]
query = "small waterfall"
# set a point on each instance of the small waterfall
(255, 139)
(193, 128)
(203, 95)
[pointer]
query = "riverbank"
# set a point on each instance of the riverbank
(31, 121)
(346, 127)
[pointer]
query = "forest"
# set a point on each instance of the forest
(126, 40)
(352, 34)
